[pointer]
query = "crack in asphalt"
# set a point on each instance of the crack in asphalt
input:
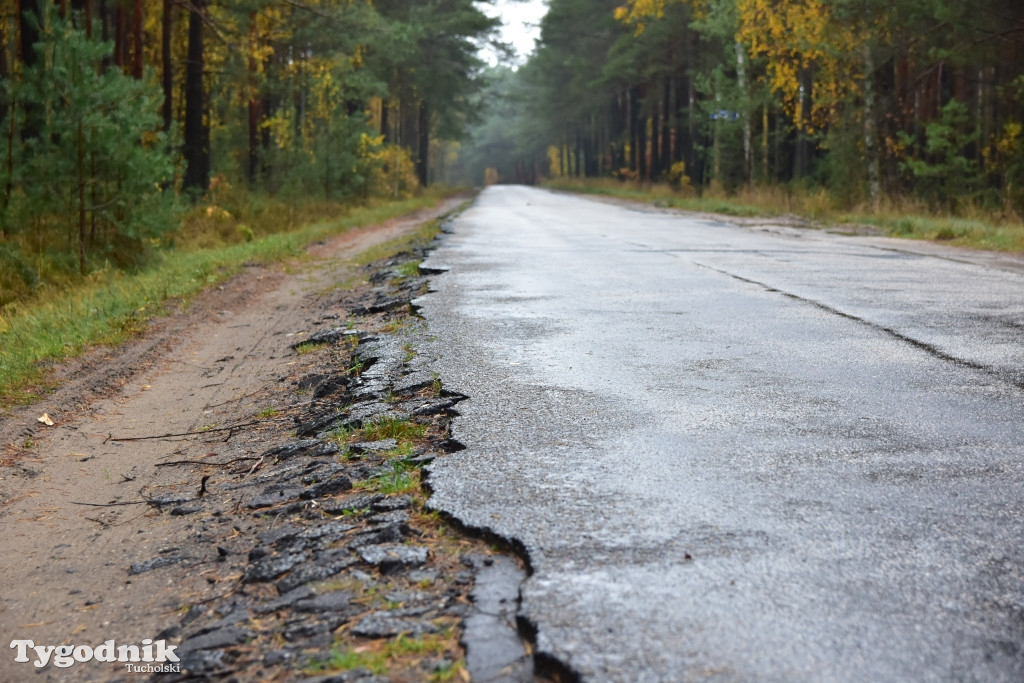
(930, 349)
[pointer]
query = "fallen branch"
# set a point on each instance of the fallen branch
(206, 462)
(109, 525)
(110, 505)
(110, 437)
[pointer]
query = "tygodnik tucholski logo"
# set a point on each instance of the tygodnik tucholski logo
(149, 657)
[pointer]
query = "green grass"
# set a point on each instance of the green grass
(309, 347)
(404, 431)
(422, 235)
(111, 306)
(392, 428)
(391, 483)
(410, 269)
(346, 660)
(906, 218)
(403, 477)
(967, 232)
(384, 657)
(356, 368)
(341, 435)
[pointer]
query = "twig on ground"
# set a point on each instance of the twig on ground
(110, 437)
(110, 505)
(204, 462)
(254, 467)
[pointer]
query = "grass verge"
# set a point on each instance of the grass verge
(403, 652)
(977, 229)
(421, 235)
(113, 305)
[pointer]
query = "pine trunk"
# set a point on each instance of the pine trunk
(197, 134)
(667, 126)
(255, 115)
(166, 65)
(137, 36)
(632, 118)
(28, 35)
(80, 168)
(641, 145)
(870, 135)
(422, 158)
(741, 77)
(3, 70)
(655, 135)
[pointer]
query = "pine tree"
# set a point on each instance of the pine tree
(98, 145)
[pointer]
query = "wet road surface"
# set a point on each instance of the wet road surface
(737, 453)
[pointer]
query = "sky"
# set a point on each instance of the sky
(522, 20)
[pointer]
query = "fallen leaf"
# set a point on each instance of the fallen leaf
(45, 419)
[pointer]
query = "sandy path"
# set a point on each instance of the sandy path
(218, 364)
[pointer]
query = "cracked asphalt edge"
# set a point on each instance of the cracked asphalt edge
(313, 562)
(546, 666)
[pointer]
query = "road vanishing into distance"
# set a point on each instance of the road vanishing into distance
(738, 453)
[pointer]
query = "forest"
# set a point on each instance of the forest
(133, 127)
(125, 122)
(866, 100)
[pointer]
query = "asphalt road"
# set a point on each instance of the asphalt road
(738, 453)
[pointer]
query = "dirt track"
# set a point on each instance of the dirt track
(219, 363)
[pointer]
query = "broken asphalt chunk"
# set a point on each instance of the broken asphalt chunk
(417, 381)
(287, 599)
(335, 601)
(155, 563)
(336, 484)
(310, 572)
(275, 496)
(393, 557)
(320, 424)
(223, 637)
(352, 503)
(381, 625)
(327, 336)
(380, 446)
(401, 502)
(311, 447)
(383, 533)
(434, 407)
(270, 568)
